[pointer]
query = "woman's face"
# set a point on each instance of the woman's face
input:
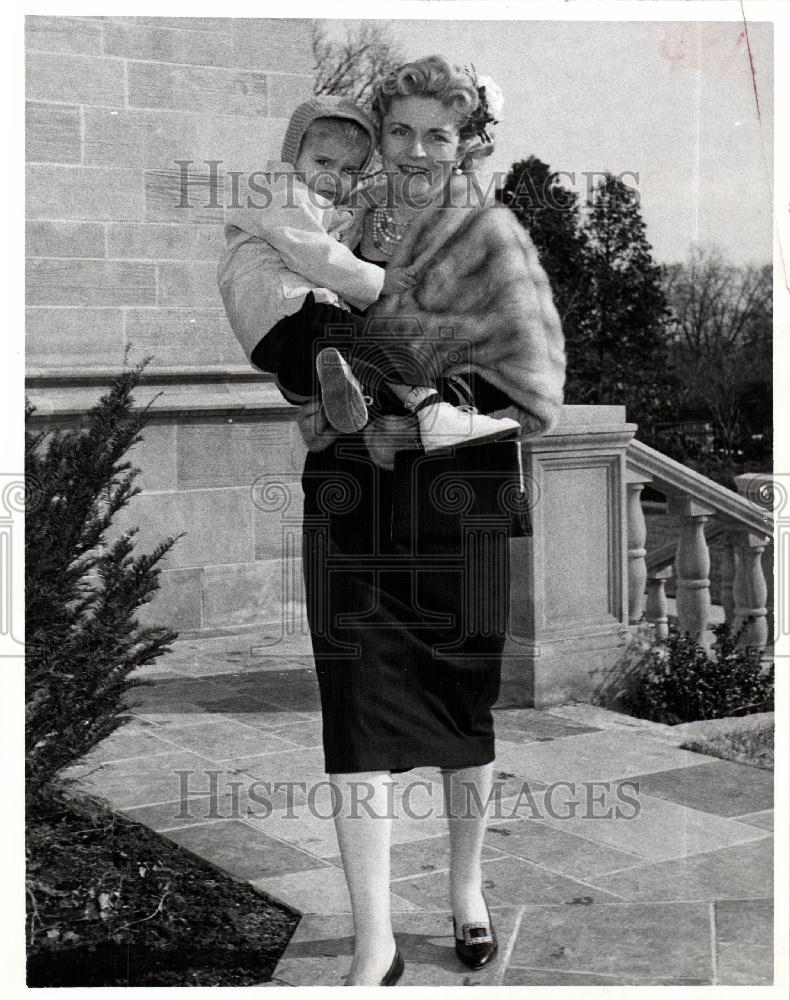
(420, 145)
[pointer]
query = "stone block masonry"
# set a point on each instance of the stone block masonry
(112, 104)
(116, 271)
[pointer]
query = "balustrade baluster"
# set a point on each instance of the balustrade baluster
(656, 609)
(727, 579)
(750, 591)
(692, 566)
(637, 537)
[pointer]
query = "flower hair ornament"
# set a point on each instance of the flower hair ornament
(489, 110)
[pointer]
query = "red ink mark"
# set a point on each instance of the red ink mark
(675, 48)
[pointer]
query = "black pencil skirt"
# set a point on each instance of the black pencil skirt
(408, 643)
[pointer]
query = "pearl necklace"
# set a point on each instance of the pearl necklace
(387, 231)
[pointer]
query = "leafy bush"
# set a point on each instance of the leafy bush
(82, 639)
(675, 680)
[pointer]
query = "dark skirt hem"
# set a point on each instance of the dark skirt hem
(386, 757)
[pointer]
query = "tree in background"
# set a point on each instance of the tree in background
(549, 211)
(607, 288)
(348, 68)
(625, 326)
(721, 319)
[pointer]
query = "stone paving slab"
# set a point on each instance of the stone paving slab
(265, 715)
(296, 764)
(764, 819)
(741, 872)
(421, 857)
(223, 739)
(534, 725)
(723, 787)
(595, 756)
(215, 669)
(176, 814)
(176, 714)
(744, 942)
(660, 830)
(140, 739)
(176, 690)
(294, 689)
(516, 976)
(258, 645)
(140, 780)
(320, 890)
(508, 880)
(243, 851)
(557, 850)
(227, 801)
(302, 828)
(645, 940)
(505, 785)
(308, 734)
(584, 714)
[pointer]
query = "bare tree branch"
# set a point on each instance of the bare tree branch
(350, 67)
(721, 325)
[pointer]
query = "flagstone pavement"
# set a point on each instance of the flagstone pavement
(612, 856)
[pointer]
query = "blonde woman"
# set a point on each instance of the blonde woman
(407, 677)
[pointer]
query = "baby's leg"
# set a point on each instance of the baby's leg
(290, 348)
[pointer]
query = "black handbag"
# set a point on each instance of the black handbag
(440, 496)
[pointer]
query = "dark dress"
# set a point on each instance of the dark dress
(408, 647)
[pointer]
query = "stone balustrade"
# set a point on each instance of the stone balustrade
(705, 513)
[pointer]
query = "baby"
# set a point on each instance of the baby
(291, 252)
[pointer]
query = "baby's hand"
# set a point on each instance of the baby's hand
(398, 279)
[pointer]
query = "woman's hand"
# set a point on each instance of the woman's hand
(399, 279)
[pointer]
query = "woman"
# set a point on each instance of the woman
(407, 677)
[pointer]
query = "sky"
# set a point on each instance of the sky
(673, 102)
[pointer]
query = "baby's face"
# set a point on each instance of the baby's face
(329, 162)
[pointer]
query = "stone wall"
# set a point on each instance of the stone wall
(112, 104)
(115, 265)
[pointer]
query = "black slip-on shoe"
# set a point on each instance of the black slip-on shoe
(479, 945)
(395, 970)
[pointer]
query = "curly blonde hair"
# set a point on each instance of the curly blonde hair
(431, 76)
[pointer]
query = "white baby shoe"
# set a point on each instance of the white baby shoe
(444, 426)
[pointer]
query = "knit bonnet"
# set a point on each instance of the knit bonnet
(325, 107)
